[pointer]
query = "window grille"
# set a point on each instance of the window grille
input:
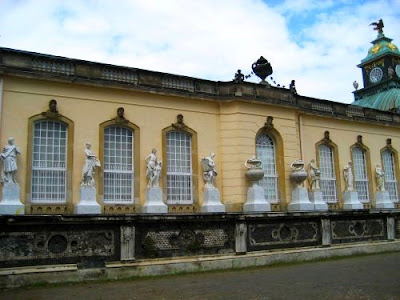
(390, 175)
(360, 174)
(179, 168)
(265, 151)
(118, 165)
(49, 162)
(328, 177)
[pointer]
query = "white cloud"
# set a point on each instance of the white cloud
(208, 39)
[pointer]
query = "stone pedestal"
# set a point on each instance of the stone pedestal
(212, 201)
(383, 201)
(350, 201)
(87, 204)
(300, 201)
(154, 202)
(10, 203)
(255, 200)
(316, 199)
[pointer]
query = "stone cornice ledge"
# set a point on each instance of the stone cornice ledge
(55, 68)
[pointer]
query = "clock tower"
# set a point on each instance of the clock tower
(381, 74)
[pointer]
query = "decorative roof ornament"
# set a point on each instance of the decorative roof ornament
(262, 68)
(381, 45)
(378, 26)
(292, 87)
(239, 77)
(355, 84)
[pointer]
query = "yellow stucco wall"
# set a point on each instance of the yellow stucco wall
(88, 107)
(240, 122)
(344, 134)
(226, 128)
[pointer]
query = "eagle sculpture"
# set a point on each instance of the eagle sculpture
(378, 26)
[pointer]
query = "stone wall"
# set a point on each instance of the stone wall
(93, 241)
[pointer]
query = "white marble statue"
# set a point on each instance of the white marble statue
(9, 159)
(209, 171)
(157, 174)
(380, 178)
(314, 175)
(153, 169)
(382, 198)
(211, 199)
(89, 167)
(348, 177)
(154, 199)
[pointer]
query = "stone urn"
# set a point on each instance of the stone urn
(300, 200)
(262, 68)
(256, 201)
(255, 175)
(254, 171)
(298, 173)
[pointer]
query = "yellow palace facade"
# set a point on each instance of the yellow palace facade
(124, 113)
(106, 168)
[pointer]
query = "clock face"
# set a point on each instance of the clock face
(397, 70)
(375, 75)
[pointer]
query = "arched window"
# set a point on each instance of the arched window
(360, 173)
(49, 162)
(265, 151)
(118, 178)
(328, 175)
(388, 159)
(119, 154)
(179, 167)
(179, 180)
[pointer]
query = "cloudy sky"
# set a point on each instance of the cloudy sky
(316, 42)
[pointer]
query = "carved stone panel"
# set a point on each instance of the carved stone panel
(177, 240)
(46, 247)
(127, 242)
(283, 235)
(348, 231)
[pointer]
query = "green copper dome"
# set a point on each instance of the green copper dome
(384, 100)
(381, 45)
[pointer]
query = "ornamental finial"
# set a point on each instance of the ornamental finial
(378, 26)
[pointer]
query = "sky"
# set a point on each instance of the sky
(317, 43)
